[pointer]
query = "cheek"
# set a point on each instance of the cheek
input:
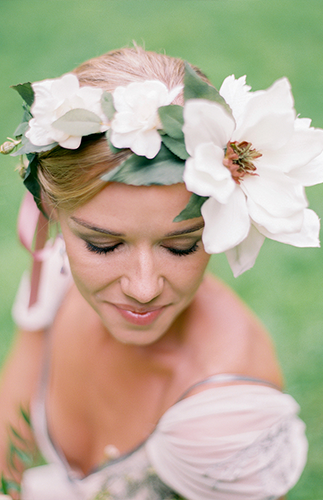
(90, 272)
(189, 275)
(92, 275)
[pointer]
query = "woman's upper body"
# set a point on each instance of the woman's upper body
(148, 355)
(147, 326)
(173, 435)
(223, 437)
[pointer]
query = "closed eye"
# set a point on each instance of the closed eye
(101, 250)
(180, 251)
(108, 249)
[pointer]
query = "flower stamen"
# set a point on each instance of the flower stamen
(239, 157)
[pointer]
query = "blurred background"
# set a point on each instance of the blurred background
(263, 39)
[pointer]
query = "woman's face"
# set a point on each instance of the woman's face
(137, 268)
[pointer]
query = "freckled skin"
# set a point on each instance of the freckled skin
(141, 273)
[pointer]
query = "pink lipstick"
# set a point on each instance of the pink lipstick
(141, 318)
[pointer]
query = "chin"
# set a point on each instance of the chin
(137, 338)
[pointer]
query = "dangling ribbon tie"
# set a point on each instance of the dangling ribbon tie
(33, 226)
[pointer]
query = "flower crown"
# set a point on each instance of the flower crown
(245, 156)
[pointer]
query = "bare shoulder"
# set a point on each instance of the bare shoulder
(236, 340)
(75, 323)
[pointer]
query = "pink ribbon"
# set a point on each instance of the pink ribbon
(33, 225)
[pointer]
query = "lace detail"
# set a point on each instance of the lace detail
(137, 485)
(130, 478)
(268, 454)
(143, 485)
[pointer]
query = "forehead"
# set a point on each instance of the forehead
(132, 206)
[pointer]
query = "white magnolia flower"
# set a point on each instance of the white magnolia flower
(53, 99)
(136, 121)
(253, 166)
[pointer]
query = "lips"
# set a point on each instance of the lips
(138, 316)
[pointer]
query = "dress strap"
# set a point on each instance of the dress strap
(221, 378)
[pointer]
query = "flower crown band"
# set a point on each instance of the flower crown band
(245, 156)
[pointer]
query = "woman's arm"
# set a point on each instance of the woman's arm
(21, 372)
(18, 384)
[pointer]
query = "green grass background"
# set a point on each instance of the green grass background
(263, 39)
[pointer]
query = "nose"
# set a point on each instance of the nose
(142, 280)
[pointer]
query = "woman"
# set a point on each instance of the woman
(153, 380)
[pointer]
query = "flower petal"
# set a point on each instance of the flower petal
(276, 99)
(91, 100)
(151, 90)
(37, 135)
(226, 225)
(268, 117)
(119, 101)
(90, 95)
(206, 175)
(302, 147)
(136, 121)
(146, 143)
(206, 121)
(271, 131)
(236, 93)
(310, 174)
(123, 123)
(275, 225)
(65, 87)
(42, 92)
(308, 236)
(275, 192)
(71, 142)
(53, 99)
(243, 256)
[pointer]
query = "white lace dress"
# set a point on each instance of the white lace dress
(232, 442)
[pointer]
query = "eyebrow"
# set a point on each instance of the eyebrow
(83, 223)
(192, 229)
(179, 232)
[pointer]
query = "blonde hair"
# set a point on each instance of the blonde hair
(69, 178)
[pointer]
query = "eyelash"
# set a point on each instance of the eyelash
(100, 250)
(174, 251)
(180, 253)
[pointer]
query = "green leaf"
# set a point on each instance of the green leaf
(12, 456)
(17, 435)
(25, 415)
(21, 129)
(172, 120)
(32, 184)
(7, 485)
(23, 456)
(164, 169)
(23, 126)
(176, 146)
(196, 88)
(107, 105)
(26, 91)
(79, 122)
(192, 209)
(4, 485)
(12, 485)
(27, 147)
